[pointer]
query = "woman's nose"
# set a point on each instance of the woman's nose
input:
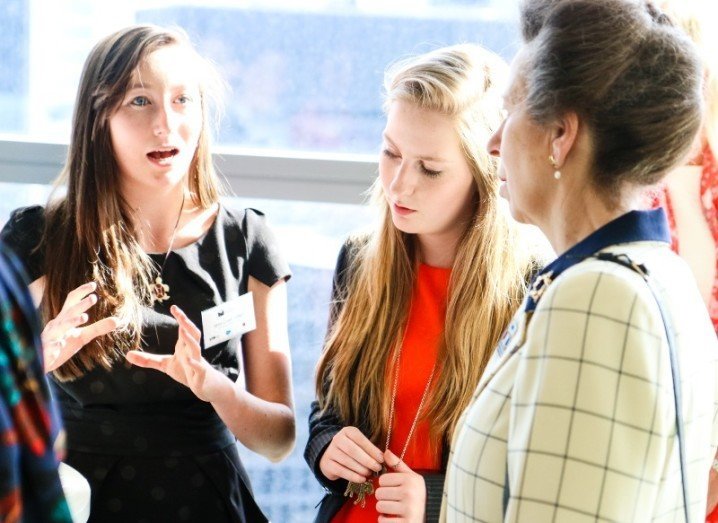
(403, 182)
(493, 146)
(164, 120)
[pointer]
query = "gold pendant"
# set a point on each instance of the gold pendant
(360, 490)
(160, 290)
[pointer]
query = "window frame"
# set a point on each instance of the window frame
(250, 173)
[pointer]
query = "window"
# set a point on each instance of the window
(311, 234)
(303, 76)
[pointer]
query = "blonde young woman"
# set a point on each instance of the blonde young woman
(141, 254)
(417, 304)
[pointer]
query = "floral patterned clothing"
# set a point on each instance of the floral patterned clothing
(709, 203)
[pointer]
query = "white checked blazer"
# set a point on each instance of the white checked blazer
(580, 405)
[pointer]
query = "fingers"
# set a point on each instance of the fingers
(189, 334)
(148, 360)
(391, 508)
(57, 327)
(393, 519)
(351, 456)
(58, 350)
(332, 469)
(79, 308)
(393, 461)
(401, 493)
(358, 459)
(75, 296)
(185, 322)
(189, 361)
(394, 486)
(63, 336)
(391, 479)
(190, 345)
(99, 328)
(403, 500)
(356, 436)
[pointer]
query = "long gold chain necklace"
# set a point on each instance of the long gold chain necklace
(159, 290)
(361, 490)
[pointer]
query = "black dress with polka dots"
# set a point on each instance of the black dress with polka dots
(150, 449)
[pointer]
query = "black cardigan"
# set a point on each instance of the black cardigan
(323, 427)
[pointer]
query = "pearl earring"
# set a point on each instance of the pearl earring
(554, 164)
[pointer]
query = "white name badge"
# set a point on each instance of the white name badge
(227, 320)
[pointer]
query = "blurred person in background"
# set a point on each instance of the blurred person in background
(689, 193)
(30, 488)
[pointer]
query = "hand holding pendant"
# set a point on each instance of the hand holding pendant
(351, 456)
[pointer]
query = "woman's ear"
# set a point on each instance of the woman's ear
(564, 132)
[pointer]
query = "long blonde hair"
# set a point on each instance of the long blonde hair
(90, 232)
(488, 276)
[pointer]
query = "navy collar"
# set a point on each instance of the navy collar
(634, 226)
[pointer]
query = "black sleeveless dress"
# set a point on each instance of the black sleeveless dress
(150, 449)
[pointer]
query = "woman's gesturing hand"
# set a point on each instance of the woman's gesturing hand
(401, 495)
(186, 365)
(351, 456)
(67, 333)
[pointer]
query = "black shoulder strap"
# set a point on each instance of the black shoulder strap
(624, 260)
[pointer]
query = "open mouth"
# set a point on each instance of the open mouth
(399, 209)
(163, 155)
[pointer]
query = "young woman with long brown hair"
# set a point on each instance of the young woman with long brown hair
(418, 303)
(140, 233)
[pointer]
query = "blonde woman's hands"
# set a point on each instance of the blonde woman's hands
(401, 495)
(66, 334)
(351, 456)
(186, 365)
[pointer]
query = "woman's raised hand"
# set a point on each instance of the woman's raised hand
(67, 333)
(351, 456)
(186, 365)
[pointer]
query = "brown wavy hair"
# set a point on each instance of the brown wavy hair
(90, 231)
(488, 275)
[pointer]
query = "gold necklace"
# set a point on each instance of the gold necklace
(159, 290)
(361, 490)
